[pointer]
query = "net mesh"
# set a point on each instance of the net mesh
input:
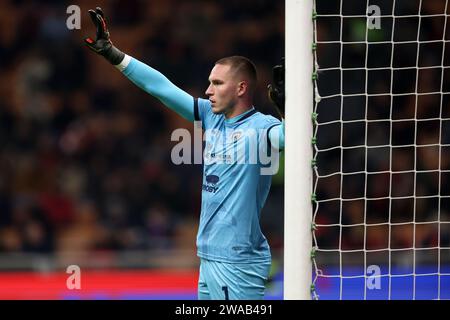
(381, 144)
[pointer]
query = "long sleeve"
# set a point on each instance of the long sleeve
(156, 84)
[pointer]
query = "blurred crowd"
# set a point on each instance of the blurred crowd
(84, 154)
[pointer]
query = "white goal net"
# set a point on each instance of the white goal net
(381, 141)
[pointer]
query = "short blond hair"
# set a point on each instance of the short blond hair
(241, 65)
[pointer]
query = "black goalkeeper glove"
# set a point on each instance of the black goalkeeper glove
(102, 44)
(276, 90)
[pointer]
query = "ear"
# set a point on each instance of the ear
(242, 88)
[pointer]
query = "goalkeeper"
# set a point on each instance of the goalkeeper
(234, 254)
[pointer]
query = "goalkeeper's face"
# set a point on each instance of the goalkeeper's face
(224, 89)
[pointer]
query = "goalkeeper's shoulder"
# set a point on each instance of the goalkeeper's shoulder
(265, 121)
(272, 128)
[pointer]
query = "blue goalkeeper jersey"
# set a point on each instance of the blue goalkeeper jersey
(238, 165)
(235, 185)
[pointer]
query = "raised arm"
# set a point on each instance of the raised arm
(156, 84)
(144, 76)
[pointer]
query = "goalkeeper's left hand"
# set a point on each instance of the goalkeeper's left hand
(276, 90)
